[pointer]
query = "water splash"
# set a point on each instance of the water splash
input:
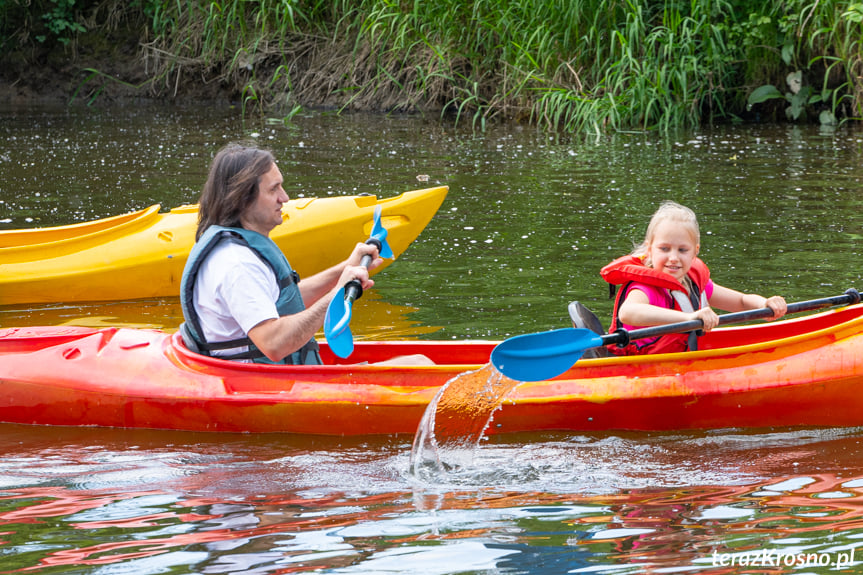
(455, 420)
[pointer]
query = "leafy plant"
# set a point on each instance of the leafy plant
(831, 50)
(61, 22)
(798, 96)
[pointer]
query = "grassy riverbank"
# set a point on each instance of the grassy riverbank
(568, 65)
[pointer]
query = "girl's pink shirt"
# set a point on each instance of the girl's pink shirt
(659, 297)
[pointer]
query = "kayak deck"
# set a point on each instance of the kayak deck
(797, 372)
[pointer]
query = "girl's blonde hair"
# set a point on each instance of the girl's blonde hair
(667, 211)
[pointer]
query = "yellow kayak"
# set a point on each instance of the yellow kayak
(142, 254)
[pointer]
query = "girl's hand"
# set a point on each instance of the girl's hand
(708, 317)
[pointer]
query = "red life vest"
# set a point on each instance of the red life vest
(628, 269)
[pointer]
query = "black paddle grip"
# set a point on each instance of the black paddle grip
(374, 242)
(354, 289)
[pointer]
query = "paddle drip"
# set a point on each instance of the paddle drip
(455, 419)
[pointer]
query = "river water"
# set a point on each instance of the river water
(529, 220)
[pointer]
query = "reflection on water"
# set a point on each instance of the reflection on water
(154, 501)
(375, 319)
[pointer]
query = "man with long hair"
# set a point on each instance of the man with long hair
(241, 299)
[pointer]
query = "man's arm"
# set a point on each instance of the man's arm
(279, 337)
(318, 285)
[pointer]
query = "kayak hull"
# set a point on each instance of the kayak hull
(142, 254)
(801, 372)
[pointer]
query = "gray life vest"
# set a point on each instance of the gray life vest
(290, 300)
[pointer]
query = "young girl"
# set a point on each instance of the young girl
(663, 281)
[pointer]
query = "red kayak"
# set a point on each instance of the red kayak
(806, 371)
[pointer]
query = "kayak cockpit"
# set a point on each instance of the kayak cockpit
(42, 238)
(466, 355)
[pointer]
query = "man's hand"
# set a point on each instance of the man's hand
(362, 249)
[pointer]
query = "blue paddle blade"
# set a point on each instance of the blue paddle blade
(379, 232)
(544, 355)
(338, 316)
(336, 325)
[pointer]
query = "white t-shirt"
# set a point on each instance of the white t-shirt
(235, 291)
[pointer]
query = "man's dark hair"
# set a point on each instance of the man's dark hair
(232, 185)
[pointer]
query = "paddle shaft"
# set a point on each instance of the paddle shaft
(339, 309)
(354, 289)
(622, 337)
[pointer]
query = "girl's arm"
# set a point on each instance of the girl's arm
(733, 300)
(638, 311)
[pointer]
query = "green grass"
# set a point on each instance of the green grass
(577, 66)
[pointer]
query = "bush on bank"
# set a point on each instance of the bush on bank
(567, 65)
